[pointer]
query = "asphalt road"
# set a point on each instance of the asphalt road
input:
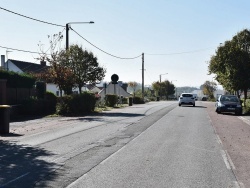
(158, 144)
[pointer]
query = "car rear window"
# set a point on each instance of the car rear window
(187, 95)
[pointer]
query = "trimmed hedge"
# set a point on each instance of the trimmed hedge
(76, 104)
(37, 107)
(138, 100)
(15, 80)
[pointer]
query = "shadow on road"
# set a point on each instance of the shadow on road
(101, 115)
(21, 167)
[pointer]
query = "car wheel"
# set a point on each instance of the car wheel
(193, 105)
(179, 104)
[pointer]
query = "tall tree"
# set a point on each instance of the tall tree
(165, 88)
(231, 63)
(60, 74)
(84, 66)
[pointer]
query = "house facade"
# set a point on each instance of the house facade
(117, 89)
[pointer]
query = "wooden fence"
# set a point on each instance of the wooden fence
(17, 95)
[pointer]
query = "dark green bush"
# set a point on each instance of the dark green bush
(16, 80)
(125, 100)
(111, 100)
(76, 104)
(37, 107)
(51, 100)
(246, 108)
(138, 100)
(40, 89)
(33, 107)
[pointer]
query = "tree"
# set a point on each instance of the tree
(60, 74)
(231, 63)
(133, 85)
(84, 65)
(165, 88)
(156, 87)
(209, 88)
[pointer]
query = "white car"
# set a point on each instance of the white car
(186, 99)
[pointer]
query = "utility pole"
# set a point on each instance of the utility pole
(67, 36)
(142, 89)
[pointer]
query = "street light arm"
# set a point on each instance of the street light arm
(67, 31)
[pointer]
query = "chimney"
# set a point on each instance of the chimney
(2, 61)
(43, 63)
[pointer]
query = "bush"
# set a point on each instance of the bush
(76, 104)
(51, 100)
(111, 100)
(40, 89)
(35, 106)
(138, 100)
(125, 100)
(16, 80)
(247, 106)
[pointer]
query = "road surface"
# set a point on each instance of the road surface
(158, 144)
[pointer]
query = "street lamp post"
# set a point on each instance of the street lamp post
(161, 75)
(67, 30)
(160, 82)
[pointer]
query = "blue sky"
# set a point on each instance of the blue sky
(178, 37)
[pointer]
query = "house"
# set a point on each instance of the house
(28, 67)
(119, 89)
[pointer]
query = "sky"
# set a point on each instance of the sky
(177, 37)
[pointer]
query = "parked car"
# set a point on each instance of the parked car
(186, 99)
(228, 103)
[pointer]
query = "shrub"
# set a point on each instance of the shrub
(125, 100)
(76, 104)
(247, 106)
(40, 89)
(16, 80)
(138, 100)
(35, 106)
(111, 100)
(51, 100)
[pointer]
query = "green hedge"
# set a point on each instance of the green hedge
(15, 80)
(111, 100)
(138, 100)
(246, 108)
(76, 104)
(37, 107)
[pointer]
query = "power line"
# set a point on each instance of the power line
(31, 18)
(103, 50)
(22, 50)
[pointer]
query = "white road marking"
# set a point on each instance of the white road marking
(14, 180)
(224, 156)
(245, 120)
(230, 160)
